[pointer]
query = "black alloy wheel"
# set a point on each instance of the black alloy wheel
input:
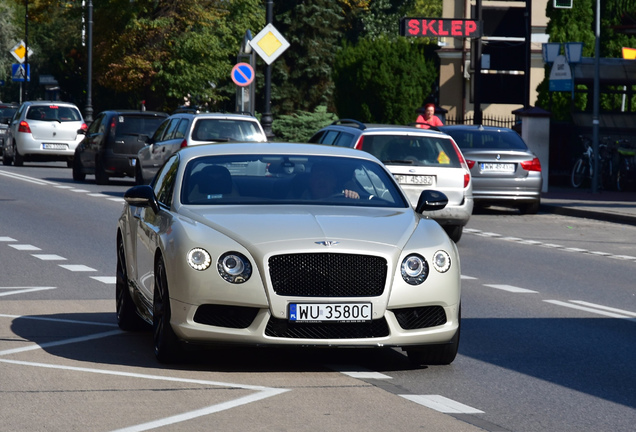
(166, 343)
(127, 317)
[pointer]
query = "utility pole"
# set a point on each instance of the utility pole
(25, 89)
(89, 87)
(478, 115)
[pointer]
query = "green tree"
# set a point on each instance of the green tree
(8, 39)
(378, 80)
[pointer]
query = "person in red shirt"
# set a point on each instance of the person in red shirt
(428, 118)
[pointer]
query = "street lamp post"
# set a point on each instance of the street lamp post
(595, 120)
(267, 119)
(25, 89)
(89, 89)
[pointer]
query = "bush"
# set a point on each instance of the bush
(301, 125)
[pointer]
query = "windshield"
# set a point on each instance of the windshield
(412, 150)
(287, 179)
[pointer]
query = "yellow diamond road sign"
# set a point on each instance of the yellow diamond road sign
(20, 51)
(269, 44)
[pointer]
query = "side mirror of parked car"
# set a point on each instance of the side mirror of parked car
(142, 196)
(431, 200)
(144, 138)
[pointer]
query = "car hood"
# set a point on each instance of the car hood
(310, 227)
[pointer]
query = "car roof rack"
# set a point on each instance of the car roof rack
(350, 122)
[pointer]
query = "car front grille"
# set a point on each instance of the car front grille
(281, 328)
(238, 317)
(420, 317)
(328, 275)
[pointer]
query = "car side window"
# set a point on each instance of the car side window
(344, 140)
(330, 137)
(165, 181)
(182, 128)
(158, 135)
(170, 130)
(97, 124)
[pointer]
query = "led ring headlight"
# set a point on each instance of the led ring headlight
(441, 261)
(199, 259)
(414, 269)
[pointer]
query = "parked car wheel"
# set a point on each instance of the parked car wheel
(6, 160)
(165, 340)
(139, 179)
(101, 177)
(18, 159)
(78, 170)
(454, 232)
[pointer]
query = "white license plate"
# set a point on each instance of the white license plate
(498, 167)
(333, 312)
(425, 180)
(54, 146)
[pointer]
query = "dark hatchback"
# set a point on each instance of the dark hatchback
(7, 110)
(112, 142)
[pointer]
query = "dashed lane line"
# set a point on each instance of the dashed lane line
(442, 404)
(511, 288)
(22, 290)
(547, 245)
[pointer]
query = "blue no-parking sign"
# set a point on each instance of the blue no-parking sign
(242, 74)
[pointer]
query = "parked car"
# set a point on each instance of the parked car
(231, 245)
(7, 110)
(191, 128)
(112, 141)
(504, 171)
(43, 131)
(418, 158)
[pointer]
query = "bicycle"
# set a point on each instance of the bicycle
(626, 175)
(583, 169)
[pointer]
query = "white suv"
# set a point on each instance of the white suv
(418, 158)
(43, 131)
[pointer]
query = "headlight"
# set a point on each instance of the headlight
(441, 261)
(234, 267)
(199, 259)
(414, 269)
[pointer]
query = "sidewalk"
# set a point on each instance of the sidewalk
(610, 206)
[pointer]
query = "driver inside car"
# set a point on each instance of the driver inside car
(323, 183)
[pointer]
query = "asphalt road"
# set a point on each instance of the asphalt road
(549, 315)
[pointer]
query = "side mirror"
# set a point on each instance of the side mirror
(431, 200)
(142, 196)
(144, 138)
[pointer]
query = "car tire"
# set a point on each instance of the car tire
(127, 317)
(454, 232)
(529, 208)
(18, 159)
(442, 354)
(78, 169)
(139, 179)
(167, 345)
(6, 160)
(101, 177)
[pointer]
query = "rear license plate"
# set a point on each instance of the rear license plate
(424, 180)
(497, 167)
(330, 312)
(48, 146)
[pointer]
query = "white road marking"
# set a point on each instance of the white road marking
(611, 309)
(511, 288)
(22, 290)
(591, 310)
(98, 195)
(105, 279)
(442, 404)
(77, 267)
(121, 200)
(64, 187)
(49, 257)
(80, 190)
(261, 391)
(24, 247)
(357, 372)
(7, 239)
(467, 277)
(26, 178)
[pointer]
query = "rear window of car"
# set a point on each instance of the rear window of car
(7, 113)
(412, 150)
(485, 139)
(126, 125)
(226, 130)
(53, 113)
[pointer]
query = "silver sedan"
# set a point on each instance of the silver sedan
(289, 245)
